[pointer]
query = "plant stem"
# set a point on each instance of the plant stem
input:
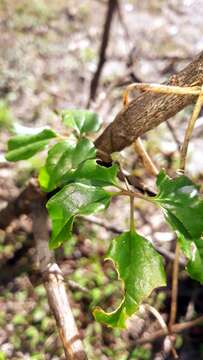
(177, 328)
(132, 220)
(174, 292)
(124, 192)
(162, 89)
(189, 130)
(147, 161)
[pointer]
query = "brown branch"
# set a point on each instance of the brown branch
(173, 134)
(112, 5)
(149, 110)
(54, 283)
(174, 292)
(177, 328)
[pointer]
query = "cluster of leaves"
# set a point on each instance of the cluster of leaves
(183, 210)
(81, 187)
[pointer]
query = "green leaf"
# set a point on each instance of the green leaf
(74, 199)
(182, 204)
(95, 174)
(83, 121)
(22, 147)
(63, 158)
(193, 250)
(140, 268)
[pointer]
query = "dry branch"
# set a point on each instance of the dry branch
(149, 110)
(112, 5)
(176, 328)
(55, 287)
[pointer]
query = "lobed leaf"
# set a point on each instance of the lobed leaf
(83, 121)
(94, 173)
(140, 268)
(193, 250)
(22, 147)
(183, 206)
(63, 158)
(74, 199)
(68, 163)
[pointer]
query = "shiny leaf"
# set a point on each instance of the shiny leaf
(63, 158)
(74, 199)
(22, 147)
(193, 250)
(95, 174)
(182, 204)
(83, 121)
(141, 270)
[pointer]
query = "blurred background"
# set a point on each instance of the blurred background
(62, 54)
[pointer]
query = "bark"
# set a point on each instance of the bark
(55, 286)
(148, 111)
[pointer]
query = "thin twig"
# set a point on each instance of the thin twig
(147, 161)
(112, 5)
(164, 326)
(157, 315)
(132, 221)
(163, 89)
(173, 133)
(174, 292)
(189, 130)
(176, 328)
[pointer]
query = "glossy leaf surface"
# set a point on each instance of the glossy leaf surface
(22, 147)
(63, 159)
(141, 270)
(74, 199)
(94, 173)
(83, 121)
(183, 206)
(193, 250)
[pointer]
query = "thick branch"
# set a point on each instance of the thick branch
(149, 110)
(55, 288)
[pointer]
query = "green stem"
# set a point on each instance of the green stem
(132, 220)
(133, 194)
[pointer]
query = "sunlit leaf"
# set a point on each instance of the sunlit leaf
(182, 204)
(95, 174)
(183, 209)
(74, 199)
(141, 270)
(22, 147)
(193, 250)
(63, 159)
(83, 121)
